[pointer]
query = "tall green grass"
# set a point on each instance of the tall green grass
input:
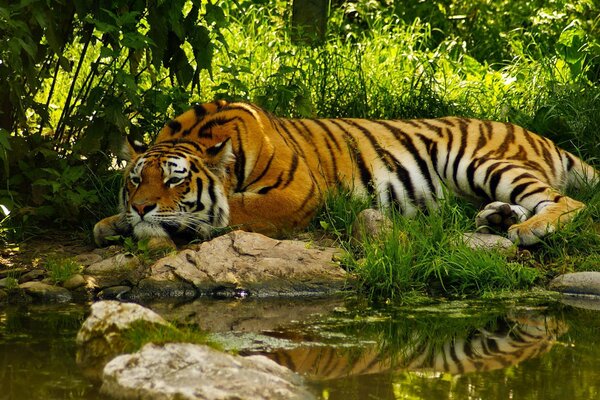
(423, 255)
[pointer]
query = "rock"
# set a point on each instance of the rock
(112, 293)
(151, 288)
(121, 269)
(244, 261)
(45, 292)
(13, 272)
(74, 282)
(100, 338)
(187, 371)
(33, 275)
(6, 282)
(577, 283)
(249, 315)
(587, 302)
(370, 224)
(88, 259)
(488, 241)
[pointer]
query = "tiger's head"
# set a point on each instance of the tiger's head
(176, 186)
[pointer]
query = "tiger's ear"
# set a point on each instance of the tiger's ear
(132, 148)
(219, 156)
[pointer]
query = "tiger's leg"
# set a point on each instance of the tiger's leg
(273, 214)
(550, 212)
(110, 226)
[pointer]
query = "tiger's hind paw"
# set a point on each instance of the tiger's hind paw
(499, 216)
(530, 232)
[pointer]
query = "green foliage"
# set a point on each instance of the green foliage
(338, 213)
(141, 333)
(427, 253)
(11, 283)
(76, 77)
(60, 269)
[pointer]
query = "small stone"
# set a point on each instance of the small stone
(13, 272)
(488, 241)
(188, 371)
(150, 288)
(6, 282)
(113, 293)
(44, 292)
(33, 275)
(586, 302)
(74, 282)
(88, 259)
(577, 283)
(121, 269)
(371, 224)
(100, 338)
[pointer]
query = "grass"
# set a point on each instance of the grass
(403, 61)
(426, 255)
(540, 77)
(141, 333)
(60, 269)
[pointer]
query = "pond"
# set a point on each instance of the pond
(526, 349)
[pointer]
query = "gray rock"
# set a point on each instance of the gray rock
(577, 283)
(114, 292)
(488, 241)
(45, 292)
(74, 282)
(13, 272)
(250, 262)
(187, 371)
(151, 288)
(587, 302)
(88, 259)
(6, 282)
(100, 338)
(33, 275)
(121, 269)
(370, 224)
(249, 315)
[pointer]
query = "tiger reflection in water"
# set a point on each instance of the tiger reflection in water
(514, 339)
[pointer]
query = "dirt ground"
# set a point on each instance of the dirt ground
(31, 252)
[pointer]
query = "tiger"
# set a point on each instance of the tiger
(506, 342)
(233, 164)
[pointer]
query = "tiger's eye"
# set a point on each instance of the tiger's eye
(174, 181)
(135, 180)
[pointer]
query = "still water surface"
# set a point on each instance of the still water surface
(347, 350)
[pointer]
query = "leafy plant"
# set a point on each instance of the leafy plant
(141, 333)
(60, 269)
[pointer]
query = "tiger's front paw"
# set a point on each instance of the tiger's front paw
(161, 243)
(107, 227)
(499, 217)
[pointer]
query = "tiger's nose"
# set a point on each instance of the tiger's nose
(144, 208)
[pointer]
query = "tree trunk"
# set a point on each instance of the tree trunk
(309, 21)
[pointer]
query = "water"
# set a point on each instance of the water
(346, 349)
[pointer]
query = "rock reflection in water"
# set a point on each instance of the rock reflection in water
(246, 315)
